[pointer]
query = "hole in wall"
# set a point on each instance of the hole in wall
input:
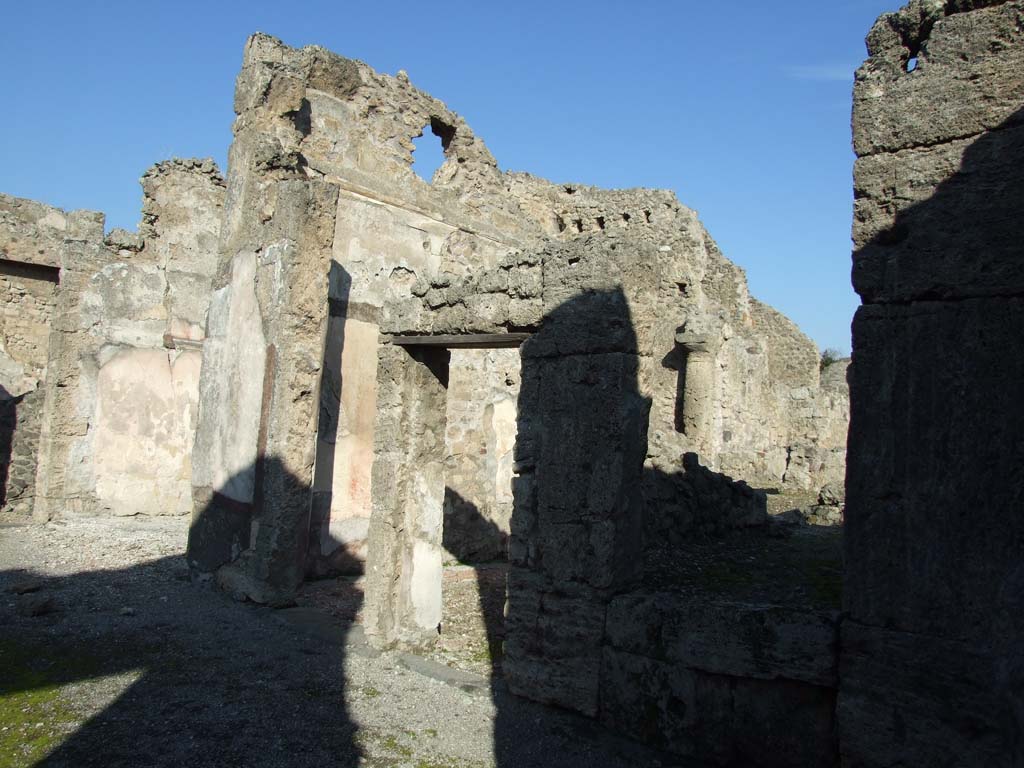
(579, 224)
(600, 222)
(911, 63)
(625, 217)
(647, 216)
(429, 152)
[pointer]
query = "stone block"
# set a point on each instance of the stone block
(968, 79)
(727, 638)
(936, 468)
(591, 433)
(717, 719)
(913, 699)
(587, 323)
(553, 643)
(940, 222)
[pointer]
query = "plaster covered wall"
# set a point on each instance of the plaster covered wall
(145, 419)
(123, 352)
(483, 387)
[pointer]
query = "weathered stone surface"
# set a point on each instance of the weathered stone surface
(935, 222)
(726, 638)
(481, 432)
(930, 669)
(118, 408)
(952, 371)
(915, 699)
(553, 642)
(682, 503)
(27, 294)
(718, 719)
(34, 233)
(967, 80)
(408, 473)
(592, 442)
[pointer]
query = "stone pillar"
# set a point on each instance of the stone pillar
(281, 293)
(699, 385)
(577, 516)
(403, 580)
(63, 423)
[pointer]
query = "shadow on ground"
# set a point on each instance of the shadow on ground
(179, 675)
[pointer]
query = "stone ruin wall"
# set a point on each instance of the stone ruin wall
(582, 630)
(30, 239)
(321, 201)
(311, 122)
(931, 670)
(132, 311)
(310, 117)
(116, 353)
(289, 280)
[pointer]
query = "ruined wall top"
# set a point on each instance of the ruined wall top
(939, 76)
(932, 74)
(34, 233)
(309, 113)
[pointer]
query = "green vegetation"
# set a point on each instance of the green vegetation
(830, 355)
(34, 720)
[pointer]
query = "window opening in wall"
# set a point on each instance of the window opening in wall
(428, 154)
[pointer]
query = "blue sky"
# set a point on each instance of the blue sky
(742, 108)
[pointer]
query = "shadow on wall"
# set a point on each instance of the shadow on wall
(577, 544)
(212, 681)
(8, 425)
(327, 556)
(264, 548)
(935, 474)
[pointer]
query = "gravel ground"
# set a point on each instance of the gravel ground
(472, 613)
(110, 657)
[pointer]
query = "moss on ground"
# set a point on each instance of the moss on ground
(34, 719)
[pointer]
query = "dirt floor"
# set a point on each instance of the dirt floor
(109, 656)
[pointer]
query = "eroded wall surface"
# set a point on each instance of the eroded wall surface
(587, 625)
(123, 357)
(483, 387)
(931, 669)
(31, 236)
(308, 117)
(401, 250)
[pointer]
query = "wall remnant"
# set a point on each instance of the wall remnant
(109, 327)
(382, 372)
(931, 668)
